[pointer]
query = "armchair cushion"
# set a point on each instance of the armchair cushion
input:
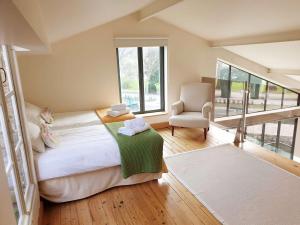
(195, 95)
(177, 108)
(206, 110)
(189, 119)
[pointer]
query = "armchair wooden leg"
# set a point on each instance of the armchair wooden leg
(173, 128)
(205, 133)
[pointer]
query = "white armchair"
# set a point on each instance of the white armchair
(194, 108)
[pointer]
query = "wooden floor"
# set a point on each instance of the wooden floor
(165, 201)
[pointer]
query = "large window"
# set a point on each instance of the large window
(141, 77)
(263, 95)
(222, 90)
(238, 83)
(257, 94)
(277, 136)
(16, 160)
(274, 96)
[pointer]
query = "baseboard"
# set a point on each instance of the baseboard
(296, 158)
(160, 125)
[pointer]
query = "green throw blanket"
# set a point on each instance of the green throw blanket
(141, 153)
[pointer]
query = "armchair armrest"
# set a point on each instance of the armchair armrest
(177, 108)
(206, 110)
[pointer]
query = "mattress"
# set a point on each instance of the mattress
(81, 149)
(83, 185)
(75, 119)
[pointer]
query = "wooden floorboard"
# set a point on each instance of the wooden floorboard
(165, 201)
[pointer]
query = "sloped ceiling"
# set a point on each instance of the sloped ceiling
(231, 20)
(217, 19)
(64, 18)
(280, 55)
(213, 20)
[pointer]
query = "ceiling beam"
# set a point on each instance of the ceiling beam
(259, 39)
(285, 71)
(155, 7)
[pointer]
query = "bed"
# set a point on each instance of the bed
(86, 162)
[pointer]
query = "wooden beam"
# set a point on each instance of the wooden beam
(260, 117)
(258, 39)
(155, 7)
(285, 71)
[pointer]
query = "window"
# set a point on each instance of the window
(274, 97)
(238, 83)
(141, 78)
(277, 136)
(286, 138)
(11, 141)
(257, 94)
(263, 95)
(270, 135)
(254, 133)
(290, 99)
(222, 90)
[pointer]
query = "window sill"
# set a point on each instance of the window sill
(152, 114)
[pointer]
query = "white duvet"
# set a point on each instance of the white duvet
(81, 149)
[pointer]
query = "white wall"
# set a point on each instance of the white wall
(32, 12)
(81, 72)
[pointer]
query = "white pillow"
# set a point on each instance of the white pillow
(48, 137)
(35, 137)
(33, 113)
(47, 116)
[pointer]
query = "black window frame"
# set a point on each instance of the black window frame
(141, 80)
(247, 88)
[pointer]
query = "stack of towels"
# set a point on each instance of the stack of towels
(134, 126)
(118, 110)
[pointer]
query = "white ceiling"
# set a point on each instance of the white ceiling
(280, 55)
(223, 19)
(64, 18)
(214, 20)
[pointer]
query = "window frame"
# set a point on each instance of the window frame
(247, 88)
(24, 198)
(141, 79)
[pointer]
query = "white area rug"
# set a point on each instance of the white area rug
(238, 188)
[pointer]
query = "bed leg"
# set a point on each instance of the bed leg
(173, 128)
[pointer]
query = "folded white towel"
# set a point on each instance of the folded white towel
(132, 131)
(118, 107)
(135, 123)
(117, 113)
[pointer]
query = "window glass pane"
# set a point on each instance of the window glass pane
(257, 89)
(14, 119)
(270, 135)
(129, 77)
(13, 194)
(3, 141)
(274, 96)
(151, 66)
(239, 80)
(222, 89)
(285, 146)
(22, 166)
(254, 133)
(290, 98)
